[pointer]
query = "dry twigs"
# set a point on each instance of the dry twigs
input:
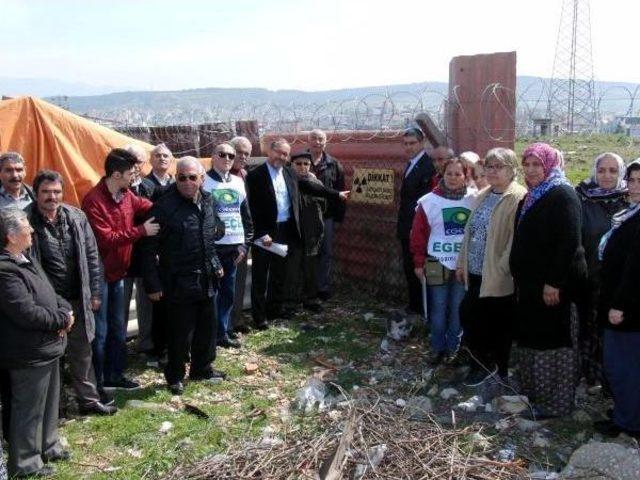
(383, 443)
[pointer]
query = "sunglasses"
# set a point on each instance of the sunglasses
(184, 178)
(230, 156)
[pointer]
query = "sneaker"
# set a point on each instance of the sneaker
(122, 383)
(152, 361)
(228, 342)
(478, 376)
(435, 358)
(451, 359)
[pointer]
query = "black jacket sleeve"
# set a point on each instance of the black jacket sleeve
(247, 223)
(93, 258)
(565, 218)
(17, 303)
(316, 189)
(149, 248)
(627, 292)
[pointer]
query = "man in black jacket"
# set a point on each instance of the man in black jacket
(66, 248)
(329, 171)
(273, 190)
(181, 265)
(34, 321)
(417, 181)
(161, 161)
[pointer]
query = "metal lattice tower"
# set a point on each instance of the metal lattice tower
(571, 102)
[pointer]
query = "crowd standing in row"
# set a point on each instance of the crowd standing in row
(548, 267)
(68, 274)
(499, 263)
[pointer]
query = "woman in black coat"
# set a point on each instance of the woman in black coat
(601, 196)
(33, 321)
(547, 263)
(619, 312)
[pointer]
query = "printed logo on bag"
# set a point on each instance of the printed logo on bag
(454, 219)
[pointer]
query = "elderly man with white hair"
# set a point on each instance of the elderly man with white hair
(329, 171)
(181, 265)
(161, 162)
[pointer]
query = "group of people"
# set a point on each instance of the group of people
(68, 274)
(546, 266)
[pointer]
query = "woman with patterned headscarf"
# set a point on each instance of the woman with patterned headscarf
(601, 196)
(548, 267)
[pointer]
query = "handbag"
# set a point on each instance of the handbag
(434, 272)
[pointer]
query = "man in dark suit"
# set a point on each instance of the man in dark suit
(161, 161)
(273, 190)
(417, 181)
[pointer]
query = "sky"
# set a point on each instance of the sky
(294, 44)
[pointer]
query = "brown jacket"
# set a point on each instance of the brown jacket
(496, 275)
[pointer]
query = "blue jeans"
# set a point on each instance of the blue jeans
(227, 290)
(444, 315)
(110, 342)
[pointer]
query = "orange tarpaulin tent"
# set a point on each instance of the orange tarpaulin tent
(53, 138)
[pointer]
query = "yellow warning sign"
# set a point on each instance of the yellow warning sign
(372, 185)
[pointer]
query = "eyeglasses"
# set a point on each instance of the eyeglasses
(230, 156)
(184, 178)
(302, 164)
(494, 168)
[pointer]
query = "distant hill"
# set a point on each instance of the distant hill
(221, 104)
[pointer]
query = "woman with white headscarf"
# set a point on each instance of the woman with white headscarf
(602, 196)
(619, 312)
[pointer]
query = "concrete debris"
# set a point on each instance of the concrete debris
(603, 461)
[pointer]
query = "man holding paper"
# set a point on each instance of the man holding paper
(273, 190)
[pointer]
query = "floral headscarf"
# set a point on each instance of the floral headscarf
(552, 164)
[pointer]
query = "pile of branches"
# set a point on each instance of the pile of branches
(372, 441)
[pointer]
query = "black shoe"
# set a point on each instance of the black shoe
(63, 456)
(123, 384)
(435, 358)
(227, 342)
(262, 325)
(233, 335)
(213, 373)
(313, 307)
(324, 296)
(241, 329)
(106, 398)
(45, 471)
(176, 388)
(97, 408)
(288, 314)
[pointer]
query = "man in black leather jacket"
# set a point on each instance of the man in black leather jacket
(181, 265)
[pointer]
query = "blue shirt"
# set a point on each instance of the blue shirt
(283, 202)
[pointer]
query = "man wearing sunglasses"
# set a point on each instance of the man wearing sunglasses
(231, 206)
(181, 265)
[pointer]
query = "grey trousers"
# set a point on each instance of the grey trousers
(35, 395)
(324, 257)
(144, 311)
(78, 357)
(238, 300)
